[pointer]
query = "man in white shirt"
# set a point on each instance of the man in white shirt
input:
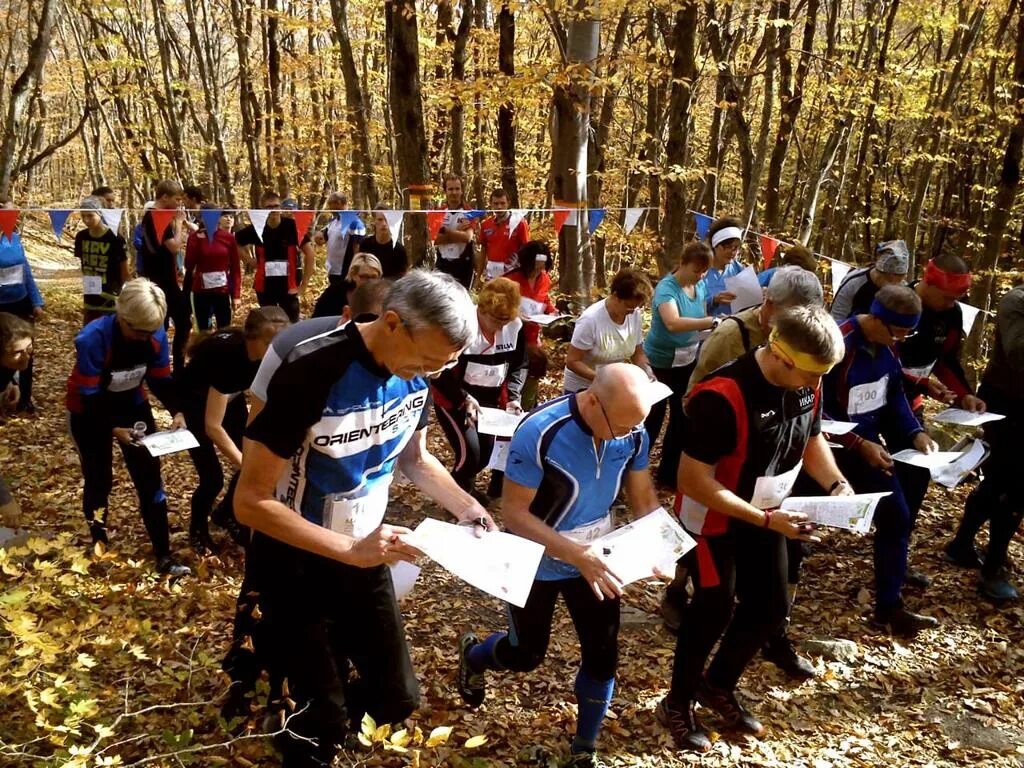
(341, 234)
(455, 238)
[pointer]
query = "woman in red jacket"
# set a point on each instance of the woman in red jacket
(213, 262)
(531, 275)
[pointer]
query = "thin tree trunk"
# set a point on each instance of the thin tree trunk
(506, 112)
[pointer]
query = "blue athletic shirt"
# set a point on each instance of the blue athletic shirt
(714, 284)
(661, 344)
(338, 416)
(553, 451)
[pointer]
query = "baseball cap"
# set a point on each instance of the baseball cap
(289, 204)
(892, 257)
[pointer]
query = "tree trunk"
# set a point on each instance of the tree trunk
(248, 102)
(506, 112)
(18, 108)
(406, 109)
(684, 75)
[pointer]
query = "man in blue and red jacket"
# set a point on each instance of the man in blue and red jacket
(867, 388)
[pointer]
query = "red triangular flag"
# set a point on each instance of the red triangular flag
(9, 220)
(162, 218)
(303, 220)
(434, 221)
(768, 247)
(561, 216)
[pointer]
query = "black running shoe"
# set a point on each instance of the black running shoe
(472, 685)
(917, 579)
(681, 722)
(727, 706)
(903, 623)
(780, 652)
(98, 532)
(964, 555)
(584, 760)
(168, 566)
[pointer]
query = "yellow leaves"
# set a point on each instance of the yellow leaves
(80, 565)
(475, 741)
(439, 736)
(84, 708)
(401, 737)
(49, 697)
(85, 661)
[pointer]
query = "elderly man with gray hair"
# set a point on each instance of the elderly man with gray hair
(343, 408)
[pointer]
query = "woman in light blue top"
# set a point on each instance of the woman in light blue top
(671, 347)
(725, 237)
(20, 296)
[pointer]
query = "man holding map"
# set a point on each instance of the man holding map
(566, 464)
(867, 388)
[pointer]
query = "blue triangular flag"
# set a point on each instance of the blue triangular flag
(594, 217)
(57, 220)
(476, 213)
(703, 223)
(211, 220)
(349, 220)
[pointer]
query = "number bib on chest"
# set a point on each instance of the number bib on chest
(12, 275)
(481, 375)
(357, 516)
(684, 356)
(770, 492)
(126, 380)
(92, 285)
(276, 269)
(585, 534)
(530, 307)
(220, 279)
(495, 269)
(865, 398)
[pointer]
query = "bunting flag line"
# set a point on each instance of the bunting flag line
(349, 220)
(475, 214)
(631, 219)
(258, 217)
(435, 220)
(112, 218)
(564, 216)
(594, 218)
(515, 216)
(303, 221)
(394, 219)
(162, 218)
(970, 314)
(703, 224)
(8, 221)
(211, 220)
(769, 245)
(57, 220)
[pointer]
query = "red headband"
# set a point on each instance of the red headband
(949, 282)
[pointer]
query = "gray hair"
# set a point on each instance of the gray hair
(426, 299)
(794, 287)
(811, 330)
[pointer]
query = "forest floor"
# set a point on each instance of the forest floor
(104, 663)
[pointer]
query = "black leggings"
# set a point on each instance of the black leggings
(94, 441)
(180, 312)
(23, 309)
(210, 305)
(206, 460)
(596, 622)
(747, 566)
(672, 446)
(999, 498)
(472, 449)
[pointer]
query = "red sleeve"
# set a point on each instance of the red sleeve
(234, 266)
(524, 233)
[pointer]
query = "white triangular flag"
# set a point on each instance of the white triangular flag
(839, 273)
(515, 216)
(573, 219)
(112, 218)
(632, 217)
(969, 313)
(258, 217)
(394, 219)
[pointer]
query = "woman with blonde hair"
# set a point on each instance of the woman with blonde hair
(490, 372)
(106, 400)
(334, 299)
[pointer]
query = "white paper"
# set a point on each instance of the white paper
(965, 418)
(162, 443)
(927, 460)
(852, 513)
(92, 285)
(839, 273)
(748, 291)
(498, 422)
(498, 563)
(837, 427)
(403, 576)
(499, 455)
(655, 541)
(656, 392)
(545, 319)
(769, 492)
(951, 474)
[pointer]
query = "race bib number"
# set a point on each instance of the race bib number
(585, 534)
(126, 380)
(920, 373)
(220, 279)
(530, 307)
(770, 492)
(865, 398)
(276, 268)
(92, 285)
(357, 516)
(12, 275)
(481, 375)
(684, 356)
(495, 269)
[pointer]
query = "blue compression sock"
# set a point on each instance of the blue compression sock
(481, 656)
(592, 700)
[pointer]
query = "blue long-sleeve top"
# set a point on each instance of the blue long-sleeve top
(714, 284)
(16, 281)
(863, 364)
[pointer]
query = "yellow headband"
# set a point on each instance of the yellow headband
(801, 360)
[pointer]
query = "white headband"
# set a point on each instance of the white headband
(541, 257)
(726, 233)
